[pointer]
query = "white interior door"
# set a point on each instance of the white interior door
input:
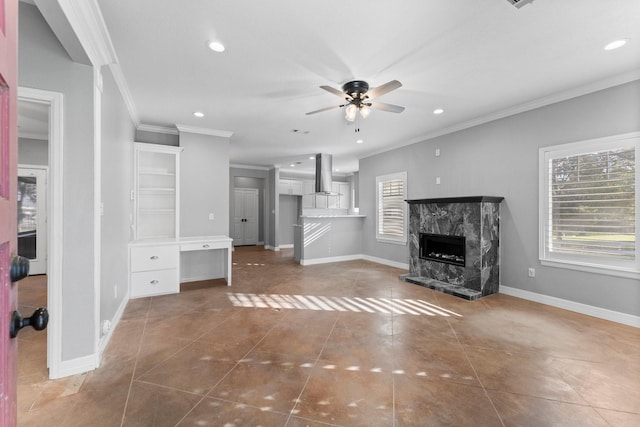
(245, 216)
(251, 217)
(32, 217)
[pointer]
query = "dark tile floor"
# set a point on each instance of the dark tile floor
(344, 344)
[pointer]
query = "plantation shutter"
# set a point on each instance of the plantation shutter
(391, 208)
(592, 208)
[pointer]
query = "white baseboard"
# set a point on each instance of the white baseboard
(288, 246)
(270, 248)
(102, 345)
(327, 260)
(400, 265)
(75, 366)
(589, 310)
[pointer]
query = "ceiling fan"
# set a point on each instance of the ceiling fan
(359, 98)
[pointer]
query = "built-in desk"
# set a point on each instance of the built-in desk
(154, 264)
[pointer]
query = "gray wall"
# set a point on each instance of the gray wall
(157, 138)
(44, 64)
(117, 131)
(500, 158)
(289, 207)
(33, 152)
(204, 185)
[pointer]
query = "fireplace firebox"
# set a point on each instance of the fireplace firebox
(443, 248)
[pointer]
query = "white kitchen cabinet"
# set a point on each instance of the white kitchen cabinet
(292, 187)
(342, 200)
(157, 191)
(308, 196)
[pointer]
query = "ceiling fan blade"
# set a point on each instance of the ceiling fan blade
(336, 92)
(383, 106)
(385, 88)
(324, 109)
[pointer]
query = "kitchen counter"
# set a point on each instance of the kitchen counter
(328, 238)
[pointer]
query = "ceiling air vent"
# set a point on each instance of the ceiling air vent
(519, 3)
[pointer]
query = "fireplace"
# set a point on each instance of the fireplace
(442, 248)
(441, 258)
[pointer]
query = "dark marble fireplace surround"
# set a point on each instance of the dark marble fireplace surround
(477, 218)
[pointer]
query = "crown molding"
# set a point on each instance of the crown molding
(260, 168)
(87, 22)
(118, 76)
(565, 95)
(205, 131)
(157, 129)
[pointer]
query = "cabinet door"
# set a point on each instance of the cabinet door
(284, 186)
(296, 187)
(308, 187)
(345, 195)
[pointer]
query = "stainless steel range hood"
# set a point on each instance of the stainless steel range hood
(323, 175)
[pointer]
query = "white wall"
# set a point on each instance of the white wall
(117, 134)
(44, 64)
(500, 158)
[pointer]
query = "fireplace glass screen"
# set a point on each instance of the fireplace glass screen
(442, 248)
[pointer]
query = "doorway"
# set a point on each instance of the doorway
(245, 217)
(32, 217)
(40, 124)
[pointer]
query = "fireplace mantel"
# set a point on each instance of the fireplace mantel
(477, 218)
(464, 199)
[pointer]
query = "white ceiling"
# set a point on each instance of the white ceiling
(475, 59)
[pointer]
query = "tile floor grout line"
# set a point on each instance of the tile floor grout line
(133, 372)
(304, 386)
(466, 356)
(225, 375)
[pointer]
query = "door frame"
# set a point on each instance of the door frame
(54, 223)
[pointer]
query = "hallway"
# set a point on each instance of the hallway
(342, 344)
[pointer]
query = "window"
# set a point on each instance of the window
(588, 199)
(391, 214)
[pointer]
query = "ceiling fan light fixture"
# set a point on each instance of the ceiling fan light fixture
(365, 110)
(350, 112)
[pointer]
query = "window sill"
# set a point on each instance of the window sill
(593, 268)
(395, 242)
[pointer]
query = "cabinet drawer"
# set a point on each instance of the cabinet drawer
(154, 258)
(203, 246)
(148, 283)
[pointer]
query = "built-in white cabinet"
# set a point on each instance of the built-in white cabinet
(157, 191)
(292, 187)
(154, 270)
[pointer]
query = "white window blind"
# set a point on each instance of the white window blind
(391, 224)
(589, 201)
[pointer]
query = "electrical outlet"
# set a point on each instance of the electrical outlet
(211, 217)
(532, 272)
(437, 180)
(437, 152)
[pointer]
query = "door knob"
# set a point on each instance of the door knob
(19, 268)
(38, 320)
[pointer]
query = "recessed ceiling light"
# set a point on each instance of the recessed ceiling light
(216, 46)
(359, 141)
(198, 114)
(438, 111)
(615, 44)
(292, 165)
(311, 158)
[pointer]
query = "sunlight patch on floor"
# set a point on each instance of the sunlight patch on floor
(345, 304)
